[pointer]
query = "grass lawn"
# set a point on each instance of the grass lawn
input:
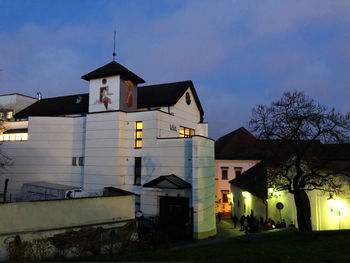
(272, 247)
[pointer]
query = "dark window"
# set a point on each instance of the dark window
(225, 197)
(81, 161)
(138, 165)
(137, 203)
(238, 171)
(74, 161)
(224, 172)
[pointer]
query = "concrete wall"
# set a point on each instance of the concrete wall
(40, 219)
(203, 187)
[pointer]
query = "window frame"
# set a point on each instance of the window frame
(137, 170)
(186, 132)
(224, 169)
(138, 139)
(238, 171)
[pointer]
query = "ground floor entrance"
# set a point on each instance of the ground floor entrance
(175, 216)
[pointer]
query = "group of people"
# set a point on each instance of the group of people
(251, 223)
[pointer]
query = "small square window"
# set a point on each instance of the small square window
(238, 171)
(9, 115)
(224, 173)
(81, 161)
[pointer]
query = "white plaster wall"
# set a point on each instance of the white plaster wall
(113, 84)
(47, 155)
(203, 187)
(242, 205)
(322, 218)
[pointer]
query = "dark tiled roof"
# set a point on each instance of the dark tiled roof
(24, 130)
(110, 69)
(66, 105)
(165, 94)
(175, 182)
(238, 145)
(242, 145)
(253, 180)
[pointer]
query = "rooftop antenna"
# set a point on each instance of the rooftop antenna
(114, 46)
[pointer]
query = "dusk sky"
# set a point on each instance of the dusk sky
(238, 53)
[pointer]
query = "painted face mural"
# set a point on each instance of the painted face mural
(104, 97)
(128, 100)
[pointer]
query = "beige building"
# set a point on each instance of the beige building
(232, 158)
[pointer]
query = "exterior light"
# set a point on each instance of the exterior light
(336, 206)
(246, 195)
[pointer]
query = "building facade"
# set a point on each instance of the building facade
(252, 193)
(149, 140)
(233, 156)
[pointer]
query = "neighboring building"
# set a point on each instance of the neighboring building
(149, 140)
(250, 192)
(10, 104)
(234, 154)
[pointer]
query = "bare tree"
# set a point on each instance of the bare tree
(302, 141)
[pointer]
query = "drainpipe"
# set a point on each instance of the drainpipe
(5, 190)
(83, 143)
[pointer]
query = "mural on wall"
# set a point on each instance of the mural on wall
(105, 97)
(129, 86)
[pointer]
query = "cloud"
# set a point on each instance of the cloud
(238, 53)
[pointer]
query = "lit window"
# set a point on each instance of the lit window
(224, 173)
(6, 137)
(12, 137)
(9, 115)
(1, 138)
(138, 134)
(1, 115)
(24, 136)
(186, 132)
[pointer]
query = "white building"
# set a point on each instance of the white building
(149, 140)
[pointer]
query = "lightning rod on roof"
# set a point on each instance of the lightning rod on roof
(114, 46)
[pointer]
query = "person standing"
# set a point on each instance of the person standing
(234, 219)
(219, 216)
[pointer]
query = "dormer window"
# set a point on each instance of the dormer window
(9, 115)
